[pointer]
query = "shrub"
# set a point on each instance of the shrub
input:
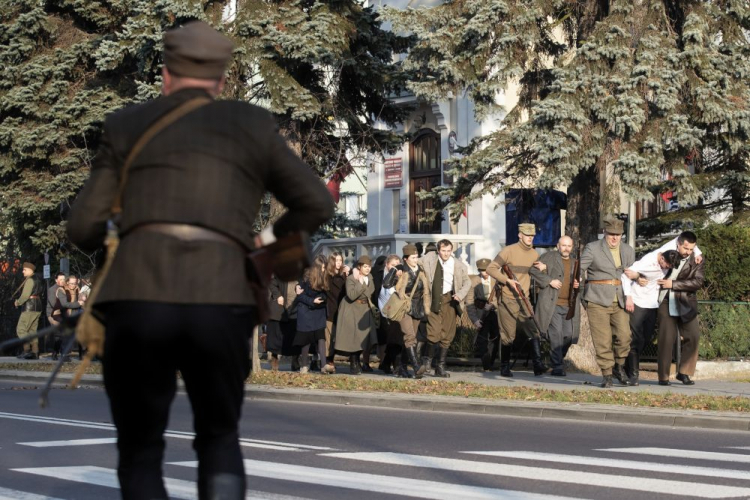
(723, 329)
(727, 266)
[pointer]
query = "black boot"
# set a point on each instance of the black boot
(385, 363)
(411, 353)
(619, 373)
(427, 359)
(536, 348)
(606, 382)
(505, 361)
(420, 349)
(295, 363)
(403, 370)
(225, 487)
(440, 371)
(354, 364)
(632, 368)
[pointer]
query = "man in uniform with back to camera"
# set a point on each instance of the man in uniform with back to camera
(554, 277)
(30, 301)
(513, 313)
(603, 262)
(177, 296)
(482, 312)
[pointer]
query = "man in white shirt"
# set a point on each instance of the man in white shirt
(642, 302)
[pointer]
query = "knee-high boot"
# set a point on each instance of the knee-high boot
(411, 352)
(440, 371)
(632, 368)
(539, 367)
(427, 358)
(505, 361)
(403, 370)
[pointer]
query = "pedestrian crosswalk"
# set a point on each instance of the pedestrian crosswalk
(631, 472)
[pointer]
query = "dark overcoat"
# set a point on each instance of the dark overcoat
(547, 295)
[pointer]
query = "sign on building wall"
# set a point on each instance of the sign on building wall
(393, 173)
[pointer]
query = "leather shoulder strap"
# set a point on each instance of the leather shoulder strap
(146, 137)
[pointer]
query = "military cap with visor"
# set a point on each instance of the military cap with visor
(196, 50)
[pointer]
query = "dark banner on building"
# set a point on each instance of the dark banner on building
(542, 207)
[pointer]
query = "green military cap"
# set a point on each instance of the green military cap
(527, 228)
(613, 226)
(431, 247)
(482, 264)
(196, 50)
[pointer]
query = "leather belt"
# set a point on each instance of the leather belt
(605, 282)
(186, 232)
(361, 301)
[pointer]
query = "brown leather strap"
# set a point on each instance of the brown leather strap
(605, 282)
(187, 232)
(146, 137)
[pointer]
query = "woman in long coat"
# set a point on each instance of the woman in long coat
(335, 285)
(311, 312)
(412, 283)
(355, 325)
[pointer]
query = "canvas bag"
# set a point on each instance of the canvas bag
(396, 307)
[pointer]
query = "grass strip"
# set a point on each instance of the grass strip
(431, 387)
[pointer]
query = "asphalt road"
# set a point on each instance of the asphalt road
(324, 451)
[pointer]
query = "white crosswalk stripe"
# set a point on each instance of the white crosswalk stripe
(249, 443)
(632, 483)
(69, 442)
(691, 454)
(8, 494)
(620, 464)
(416, 488)
(100, 476)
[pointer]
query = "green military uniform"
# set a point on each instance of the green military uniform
(605, 301)
(513, 314)
(31, 303)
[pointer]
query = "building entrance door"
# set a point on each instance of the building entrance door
(424, 174)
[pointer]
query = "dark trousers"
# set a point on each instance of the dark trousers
(642, 327)
(560, 333)
(669, 328)
(146, 344)
(488, 337)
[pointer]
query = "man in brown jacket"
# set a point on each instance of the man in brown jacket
(513, 313)
(678, 312)
(177, 297)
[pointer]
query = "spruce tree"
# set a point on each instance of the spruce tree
(323, 67)
(636, 91)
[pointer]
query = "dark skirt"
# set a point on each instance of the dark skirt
(302, 339)
(280, 339)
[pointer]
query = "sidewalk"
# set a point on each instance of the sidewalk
(522, 378)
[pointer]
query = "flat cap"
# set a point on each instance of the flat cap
(29, 265)
(431, 247)
(409, 249)
(364, 260)
(482, 264)
(527, 228)
(196, 50)
(613, 226)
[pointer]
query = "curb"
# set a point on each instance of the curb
(566, 411)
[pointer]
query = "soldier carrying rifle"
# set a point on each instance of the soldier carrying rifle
(186, 174)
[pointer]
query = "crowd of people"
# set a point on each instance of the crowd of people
(405, 307)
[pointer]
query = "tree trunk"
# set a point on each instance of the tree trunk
(582, 224)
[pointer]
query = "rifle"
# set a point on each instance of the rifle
(67, 329)
(573, 292)
(529, 309)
